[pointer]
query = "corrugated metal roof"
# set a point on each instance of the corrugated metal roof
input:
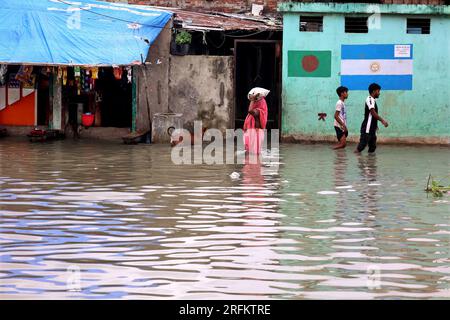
(224, 22)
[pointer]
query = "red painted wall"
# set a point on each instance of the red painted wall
(20, 113)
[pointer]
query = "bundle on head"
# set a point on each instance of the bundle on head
(257, 93)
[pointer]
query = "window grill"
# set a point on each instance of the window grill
(311, 23)
(356, 25)
(418, 26)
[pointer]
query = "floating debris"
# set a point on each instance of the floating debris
(235, 175)
(328, 192)
(436, 188)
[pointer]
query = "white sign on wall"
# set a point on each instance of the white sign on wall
(402, 51)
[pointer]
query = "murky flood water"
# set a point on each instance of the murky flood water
(104, 220)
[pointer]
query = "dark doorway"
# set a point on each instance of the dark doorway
(116, 99)
(258, 64)
(43, 99)
(110, 99)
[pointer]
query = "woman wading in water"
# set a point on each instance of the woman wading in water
(256, 120)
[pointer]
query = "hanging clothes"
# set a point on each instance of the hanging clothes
(129, 74)
(118, 73)
(82, 75)
(94, 72)
(77, 71)
(94, 77)
(24, 74)
(3, 71)
(64, 75)
(59, 75)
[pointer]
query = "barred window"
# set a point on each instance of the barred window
(356, 25)
(418, 26)
(311, 23)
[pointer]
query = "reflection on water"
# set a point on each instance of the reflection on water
(86, 220)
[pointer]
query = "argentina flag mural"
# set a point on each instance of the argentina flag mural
(389, 65)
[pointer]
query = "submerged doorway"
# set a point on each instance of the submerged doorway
(109, 98)
(43, 99)
(258, 64)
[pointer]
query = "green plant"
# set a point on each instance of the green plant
(183, 37)
(435, 188)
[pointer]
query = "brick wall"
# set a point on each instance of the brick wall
(238, 5)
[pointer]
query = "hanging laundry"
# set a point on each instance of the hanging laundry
(77, 71)
(87, 81)
(94, 73)
(129, 74)
(24, 74)
(118, 73)
(3, 71)
(82, 73)
(77, 76)
(31, 84)
(64, 76)
(59, 75)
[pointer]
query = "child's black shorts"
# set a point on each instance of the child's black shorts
(340, 133)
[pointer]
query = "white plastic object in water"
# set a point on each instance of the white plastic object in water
(235, 175)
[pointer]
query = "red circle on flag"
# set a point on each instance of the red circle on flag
(310, 63)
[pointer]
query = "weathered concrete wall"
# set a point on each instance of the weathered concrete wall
(420, 115)
(201, 87)
(153, 79)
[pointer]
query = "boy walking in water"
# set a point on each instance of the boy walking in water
(369, 126)
(340, 118)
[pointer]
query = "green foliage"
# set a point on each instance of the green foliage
(183, 37)
(436, 188)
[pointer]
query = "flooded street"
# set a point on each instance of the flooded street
(84, 219)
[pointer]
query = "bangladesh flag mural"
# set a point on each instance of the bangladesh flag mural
(309, 63)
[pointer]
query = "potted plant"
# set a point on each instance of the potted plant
(181, 45)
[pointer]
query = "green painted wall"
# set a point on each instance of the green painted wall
(421, 112)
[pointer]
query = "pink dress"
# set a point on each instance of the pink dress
(254, 137)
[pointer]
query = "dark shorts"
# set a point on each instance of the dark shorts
(340, 133)
(369, 139)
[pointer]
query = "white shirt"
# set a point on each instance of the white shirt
(340, 106)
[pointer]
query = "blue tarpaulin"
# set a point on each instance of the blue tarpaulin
(86, 32)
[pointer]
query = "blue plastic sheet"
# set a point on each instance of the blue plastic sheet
(60, 32)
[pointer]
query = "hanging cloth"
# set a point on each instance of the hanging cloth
(94, 72)
(59, 75)
(24, 74)
(82, 74)
(118, 73)
(3, 71)
(64, 75)
(129, 74)
(77, 71)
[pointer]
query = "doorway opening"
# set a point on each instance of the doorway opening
(109, 98)
(258, 64)
(43, 99)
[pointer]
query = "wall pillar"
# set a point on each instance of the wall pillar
(56, 103)
(134, 100)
